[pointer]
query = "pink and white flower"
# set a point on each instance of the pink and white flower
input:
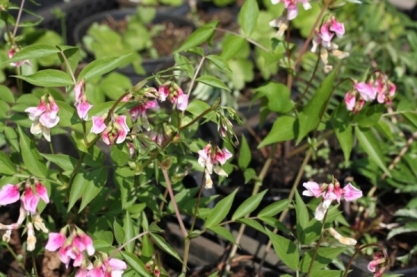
(291, 6)
(377, 265)
(30, 200)
(31, 240)
(329, 193)
(81, 102)
(55, 241)
(140, 111)
(114, 132)
(44, 117)
(174, 94)
(9, 194)
(211, 159)
(12, 51)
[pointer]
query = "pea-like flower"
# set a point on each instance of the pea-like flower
(44, 117)
(291, 6)
(81, 102)
(211, 158)
(174, 94)
(377, 265)
(330, 192)
(113, 132)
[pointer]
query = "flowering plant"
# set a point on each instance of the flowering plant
(108, 192)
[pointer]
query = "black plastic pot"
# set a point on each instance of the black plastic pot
(150, 65)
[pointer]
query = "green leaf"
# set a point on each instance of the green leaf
(65, 162)
(248, 206)
(245, 155)
(31, 158)
(147, 248)
(119, 233)
(286, 250)
(231, 46)
(129, 232)
(212, 81)
(302, 217)
(6, 165)
(220, 211)
(284, 129)
(67, 115)
(343, 130)
(278, 95)
(250, 174)
(163, 245)
(219, 62)
(119, 156)
(102, 66)
(370, 144)
(48, 78)
(274, 208)
(77, 189)
(32, 52)
(11, 137)
(328, 273)
(274, 222)
(252, 223)
(199, 36)
(325, 255)
(95, 183)
(369, 116)
(6, 94)
(223, 232)
(248, 16)
(184, 64)
(135, 263)
(309, 117)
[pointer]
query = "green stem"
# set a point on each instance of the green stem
(255, 190)
(242, 36)
(317, 245)
(68, 67)
(18, 17)
(309, 81)
(19, 261)
(35, 269)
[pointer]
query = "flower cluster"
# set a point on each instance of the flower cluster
(9, 194)
(324, 38)
(330, 192)
(44, 116)
(291, 12)
(174, 94)
(140, 111)
(81, 102)
(211, 158)
(377, 265)
(102, 267)
(113, 132)
(381, 89)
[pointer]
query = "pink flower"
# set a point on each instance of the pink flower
(55, 241)
(12, 51)
(121, 127)
(291, 6)
(81, 102)
(42, 192)
(30, 200)
(9, 194)
(44, 117)
(337, 27)
(174, 94)
(329, 193)
(385, 89)
(98, 124)
(210, 159)
(350, 100)
(115, 266)
(140, 111)
(377, 265)
(366, 91)
(84, 242)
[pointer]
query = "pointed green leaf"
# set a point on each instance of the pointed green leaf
(67, 115)
(32, 52)
(370, 144)
(249, 205)
(6, 165)
(248, 16)
(231, 46)
(274, 208)
(219, 62)
(65, 162)
(212, 81)
(199, 36)
(6, 94)
(302, 217)
(96, 180)
(48, 78)
(286, 250)
(284, 129)
(325, 255)
(309, 117)
(221, 210)
(343, 130)
(223, 232)
(252, 223)
(119, 233)
(245, 155)
(163, 245)
(77, 189)
(31, 158)
(147, 249)
(102, 66)
(129, 232)
(135, 263)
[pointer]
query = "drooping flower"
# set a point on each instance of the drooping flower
(340, 238)
(55, 241)
(81, 102)
(291, 6)
(44, 117)
(31, 240)
(211, 159)
(385, 89)
(9, 194)
(377, 265)
(174, 94)
(140, 111)
(329, 193)
(30, 200)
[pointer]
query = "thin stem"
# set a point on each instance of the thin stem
(309, 81)
(35, 269)
(197, 204)
(174, 204)
(255, 190)
(19, 261)
(242, 36)
(126, 243)
(187, 243)
(68, 67)
(18, 17)
(290, 197)
(359, 250)
(317, 246)
(197, 71)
